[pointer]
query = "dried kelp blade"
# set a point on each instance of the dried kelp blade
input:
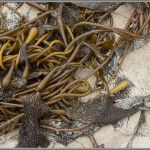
(30, 133)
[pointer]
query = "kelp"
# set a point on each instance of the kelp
(39, 60)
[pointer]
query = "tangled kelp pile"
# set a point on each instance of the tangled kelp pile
(39, 60)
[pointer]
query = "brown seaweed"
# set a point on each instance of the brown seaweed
(40, 59)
